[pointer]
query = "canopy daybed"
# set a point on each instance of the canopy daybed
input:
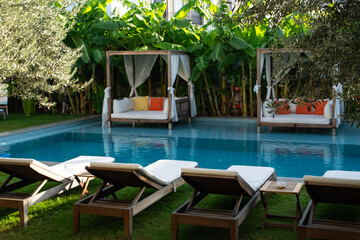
(138, 66)
(330, 119)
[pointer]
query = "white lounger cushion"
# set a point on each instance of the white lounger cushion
(161, 172)
(77, 165)
(168, 170)
(342, 174)
(253, 175)
(297, 118)
(152, 115)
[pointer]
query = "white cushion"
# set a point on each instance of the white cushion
(120, 106)
(77, 165)
(253, 175)
(266, 109)
(355, 175)
(152, 115)
(328, 110)
(292, 106)
(168, 170)
(131, 104)
(166, 106)
(297, 118)
(162, 172)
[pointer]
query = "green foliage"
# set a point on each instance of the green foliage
(33, 57)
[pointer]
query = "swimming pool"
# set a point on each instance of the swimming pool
(213, 143)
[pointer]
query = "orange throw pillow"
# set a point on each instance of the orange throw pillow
(319, 107)
(303, 108)
(156, 104)
(284, 109)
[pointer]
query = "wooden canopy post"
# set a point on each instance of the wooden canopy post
(333, 120)
(169, 89)
(258, 95)
(189, 92)
(108, 80)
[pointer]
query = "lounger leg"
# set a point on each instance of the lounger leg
(76, 219)
(234, 231)
(23, 212)
(301, 233)
(174, 227)
(170, 126)
(128, 223)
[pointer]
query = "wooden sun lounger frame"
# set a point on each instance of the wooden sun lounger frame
(329, 229)
(213, 184)
(100, 204)
(21, 201)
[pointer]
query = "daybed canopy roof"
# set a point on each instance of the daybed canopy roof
(138, 66)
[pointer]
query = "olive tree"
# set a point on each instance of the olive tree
(34, 61)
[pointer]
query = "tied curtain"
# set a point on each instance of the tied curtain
(184, 72)
(138, 74)
(180, 65)
(174, 67)
(105, 107)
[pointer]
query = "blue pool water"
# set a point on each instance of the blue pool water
(213, 143)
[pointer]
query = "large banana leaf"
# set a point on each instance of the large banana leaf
(107, 25)
(168, 46)
(240, 44)
(218, 51)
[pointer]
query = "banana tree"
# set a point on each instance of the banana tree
(247, 40)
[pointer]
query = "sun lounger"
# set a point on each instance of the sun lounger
(29, 171)
(163, 175)
(237, 181)
(335, 187)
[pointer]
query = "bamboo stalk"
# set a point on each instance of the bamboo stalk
(209, 95)
(73, 107)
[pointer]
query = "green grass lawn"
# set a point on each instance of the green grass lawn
(15, 121)
(53, 219)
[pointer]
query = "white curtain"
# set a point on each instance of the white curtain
(143, 67)
(339, 104)
(105, 107)
(174, 69)
(270, 87)
(184, 72)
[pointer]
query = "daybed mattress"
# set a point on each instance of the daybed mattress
(297, 118)
(151, 115)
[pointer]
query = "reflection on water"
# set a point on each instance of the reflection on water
(212, 146)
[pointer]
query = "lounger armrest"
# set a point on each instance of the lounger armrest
(114, 166)
(336, 182)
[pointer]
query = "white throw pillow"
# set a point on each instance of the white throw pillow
(166, 106)
(131, 104)
(120, 106)
(292, 106)
(266, 109)
(328, 111)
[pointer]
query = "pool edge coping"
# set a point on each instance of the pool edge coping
(49, 125)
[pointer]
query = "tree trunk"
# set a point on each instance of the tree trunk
(251, 94)
(77, 102)
(73, 107)
(149, 86)
(203, 103)
(209, 95)
(223, 95)
(53, 110)
(244, 91)
(216, 103)
(232, 100)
